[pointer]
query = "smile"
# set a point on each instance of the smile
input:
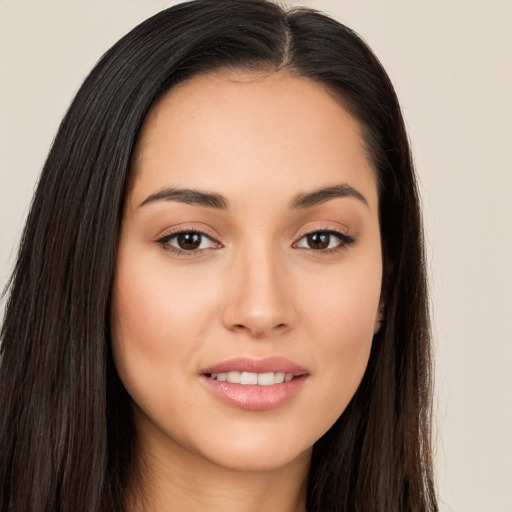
(255, 384)
(254, 379)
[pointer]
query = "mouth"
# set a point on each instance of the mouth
(251, 378)
(253, 384)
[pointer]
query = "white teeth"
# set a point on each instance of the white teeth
(249, 378)
(233, 377)
(266, 379)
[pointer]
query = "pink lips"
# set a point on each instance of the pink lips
(246, 364)
(254, 397)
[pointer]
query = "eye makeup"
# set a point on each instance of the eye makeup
(187, 242)
(190, 242)
(325, 241)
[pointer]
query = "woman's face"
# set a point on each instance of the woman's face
(249, 254)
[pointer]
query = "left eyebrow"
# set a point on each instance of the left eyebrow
(323, 195)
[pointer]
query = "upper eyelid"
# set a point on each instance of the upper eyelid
(187, 229)
(300, 235)
(176, 233)
(326, 229)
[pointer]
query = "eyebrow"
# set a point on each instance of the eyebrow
(323, 195)
(219, 202)
(188, 196)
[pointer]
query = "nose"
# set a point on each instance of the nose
(259, 295)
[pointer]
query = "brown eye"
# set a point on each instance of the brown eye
(325, 241)
(189, 241)
(318, 241)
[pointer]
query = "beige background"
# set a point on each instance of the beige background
(451, 62)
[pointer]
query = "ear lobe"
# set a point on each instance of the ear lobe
(379, 318)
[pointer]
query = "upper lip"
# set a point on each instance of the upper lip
(248, 364)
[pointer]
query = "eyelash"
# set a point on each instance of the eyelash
(344, 241)
(164, 242)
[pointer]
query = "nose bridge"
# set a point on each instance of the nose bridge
(258, 300)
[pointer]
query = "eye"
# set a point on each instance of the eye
(187, 242)
(325, 241)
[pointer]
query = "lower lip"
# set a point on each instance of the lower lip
(255, 398)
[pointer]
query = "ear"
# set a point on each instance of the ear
(379, 317)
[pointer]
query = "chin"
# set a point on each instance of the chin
(257, 458)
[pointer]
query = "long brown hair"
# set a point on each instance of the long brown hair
(66, 432)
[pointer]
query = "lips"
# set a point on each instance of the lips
(246, 364)
(255, 384)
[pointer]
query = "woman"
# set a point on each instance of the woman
(219, 299)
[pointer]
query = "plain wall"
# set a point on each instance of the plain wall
(451, 63)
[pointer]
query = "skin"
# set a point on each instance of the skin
(255, 288)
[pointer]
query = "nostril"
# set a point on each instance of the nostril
(260, 331)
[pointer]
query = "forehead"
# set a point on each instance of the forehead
(248, 131)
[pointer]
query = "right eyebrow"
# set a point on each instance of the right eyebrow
(188, 196)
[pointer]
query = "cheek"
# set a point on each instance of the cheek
(343, 302)
(153, 299)
(346, 344)
(342, 323)
(158, 320)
